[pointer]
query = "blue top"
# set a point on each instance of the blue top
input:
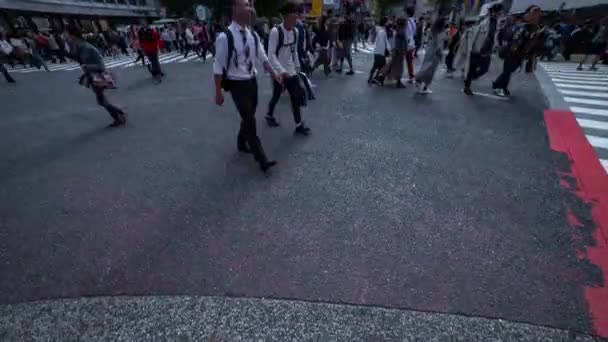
(89, 55)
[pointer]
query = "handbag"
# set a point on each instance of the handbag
(103, 80)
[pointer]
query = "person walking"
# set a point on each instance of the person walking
(596, 46)
(432, 58)
(304, 47)
(94, 74)
(33, 49)
(381, 50)
(234, 71)
(346, 36)
(283, 56)
(6, 49)
(517, 48)
(410, 54)
(322, 43)
(482, 46)
(150, 44)
(165, 36)
(190, 44)
(136, 45)
(394, 69)
(453, 44)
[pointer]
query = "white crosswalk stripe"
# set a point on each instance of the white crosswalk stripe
(111, 63)
(586, 92)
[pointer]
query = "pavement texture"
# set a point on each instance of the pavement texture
(441, 204)
(243, 319)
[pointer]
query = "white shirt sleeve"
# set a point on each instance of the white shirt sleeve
(273, 41)
(262, 58)
(221, 53)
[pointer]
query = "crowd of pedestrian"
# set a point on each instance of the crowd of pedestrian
(291, 50)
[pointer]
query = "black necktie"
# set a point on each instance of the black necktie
(247, 52)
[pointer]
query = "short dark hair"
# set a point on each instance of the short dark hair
(289, 7)
(410, 11)
(383, 21)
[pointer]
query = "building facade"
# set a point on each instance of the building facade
(90, 15)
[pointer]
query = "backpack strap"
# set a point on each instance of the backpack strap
(256, 40)
(281, 39)
(230, 41)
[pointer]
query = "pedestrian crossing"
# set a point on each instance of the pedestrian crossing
(111, 63)
(586, 93)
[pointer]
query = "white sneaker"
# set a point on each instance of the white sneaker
(500, 92)
(426, 91)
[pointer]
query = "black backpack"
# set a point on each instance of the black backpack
(230, 43)
(281, 40)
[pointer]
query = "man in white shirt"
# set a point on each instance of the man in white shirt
(6, 49)
(283, 56)
(381, 51)
(234, 70)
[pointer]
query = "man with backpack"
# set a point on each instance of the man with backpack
(234, 71)
(517, 48)
(283, 56)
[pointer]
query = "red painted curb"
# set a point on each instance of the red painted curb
(567, 137)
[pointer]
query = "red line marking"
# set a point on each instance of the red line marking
(567, 137)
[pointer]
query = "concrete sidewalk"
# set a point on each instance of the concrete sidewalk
(248, 319)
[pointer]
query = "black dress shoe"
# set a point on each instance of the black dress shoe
(350, 72)
(468, 91)
(11, 80)
(302, 129)
(400, 85)
(265, 166)
(272, 121)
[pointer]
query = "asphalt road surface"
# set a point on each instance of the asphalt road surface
(441, 204)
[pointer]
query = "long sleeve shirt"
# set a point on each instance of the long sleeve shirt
(382, 44)
(410, 31)
(88, 55)
(243, 56)
(286, 61)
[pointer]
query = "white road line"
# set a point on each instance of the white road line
(72, 68)
(65, 66)
(584, 93)
(579, 73)
(574, 68)
(590, 111)
(170, 60)
(169, 56)
(122, 63)
(598, 141)
(495, 97)
(117, 62)
(604, 164)
(578, 77)
(188, 59)
(581, 86)
(567, 81)
(586, 101)
(593, 124)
